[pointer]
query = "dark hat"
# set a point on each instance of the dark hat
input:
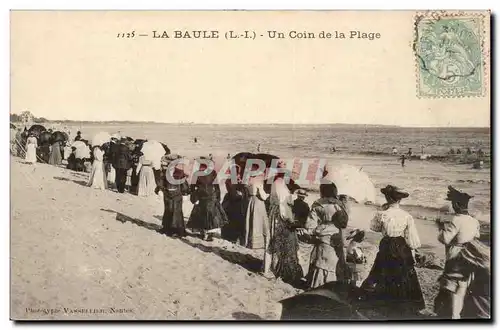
(301, 192)
(455, 195)
(357, 235)
(394, 192)
(328, 189)
(78, 132)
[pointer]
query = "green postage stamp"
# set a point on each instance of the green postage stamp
(450, 54)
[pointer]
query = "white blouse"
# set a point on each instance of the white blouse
(280, 196)
(395, 222)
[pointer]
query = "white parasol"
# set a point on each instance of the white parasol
(78, 144)
(100, 138)
(353, 182)
(82, 150)
(153, 151)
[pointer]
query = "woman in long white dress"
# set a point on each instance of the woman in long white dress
(31, 145)
(147, 183)
(97, 178)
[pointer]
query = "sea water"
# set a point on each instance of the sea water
(366, 147)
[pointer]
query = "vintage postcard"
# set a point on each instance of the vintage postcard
(250, 165)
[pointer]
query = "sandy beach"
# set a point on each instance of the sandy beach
(80, 253)
(402, 100)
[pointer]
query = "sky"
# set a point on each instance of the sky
(72, 66)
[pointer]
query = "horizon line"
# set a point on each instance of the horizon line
(69, 121)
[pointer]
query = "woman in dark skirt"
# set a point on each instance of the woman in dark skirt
(173, 217)
(134, 179)
(207, 215)
(235, 204)
(393, 279)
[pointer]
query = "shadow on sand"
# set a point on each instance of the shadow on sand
(246, 316)
(80, 182)
(125, 218)
(245, 260)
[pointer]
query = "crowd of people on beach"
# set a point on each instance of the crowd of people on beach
(279, 221)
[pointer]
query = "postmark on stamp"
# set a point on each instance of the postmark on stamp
(449, 54)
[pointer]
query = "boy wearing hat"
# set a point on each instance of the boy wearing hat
(454, 234)
(462, 228)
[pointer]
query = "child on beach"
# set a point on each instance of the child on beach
(355, 256)
(455, 235)
(326, 221)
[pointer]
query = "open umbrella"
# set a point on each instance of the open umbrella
(153, 151)
(82, 150)
(58, 136)
(100, 138)
(78, 144)
(44, 138)
(352, 181)
(241, 158)
(37, 130)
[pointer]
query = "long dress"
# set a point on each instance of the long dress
(31, 145)
(44, 153)
(207, 214)
(111, 177)
(283, 245)
(235, 205)
(477, 302)
(55, 154)
(66, 152)
(147, 183)
(301, 211)
(97, 177)
(454, 235)
(134, 179)
(325, 223)
(393, 278)
(173, 217)
(257, 225)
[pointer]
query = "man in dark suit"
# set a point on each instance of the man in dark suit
(122, 161)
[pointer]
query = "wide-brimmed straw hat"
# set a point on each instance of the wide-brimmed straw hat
(455, 195)
(394, 192)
